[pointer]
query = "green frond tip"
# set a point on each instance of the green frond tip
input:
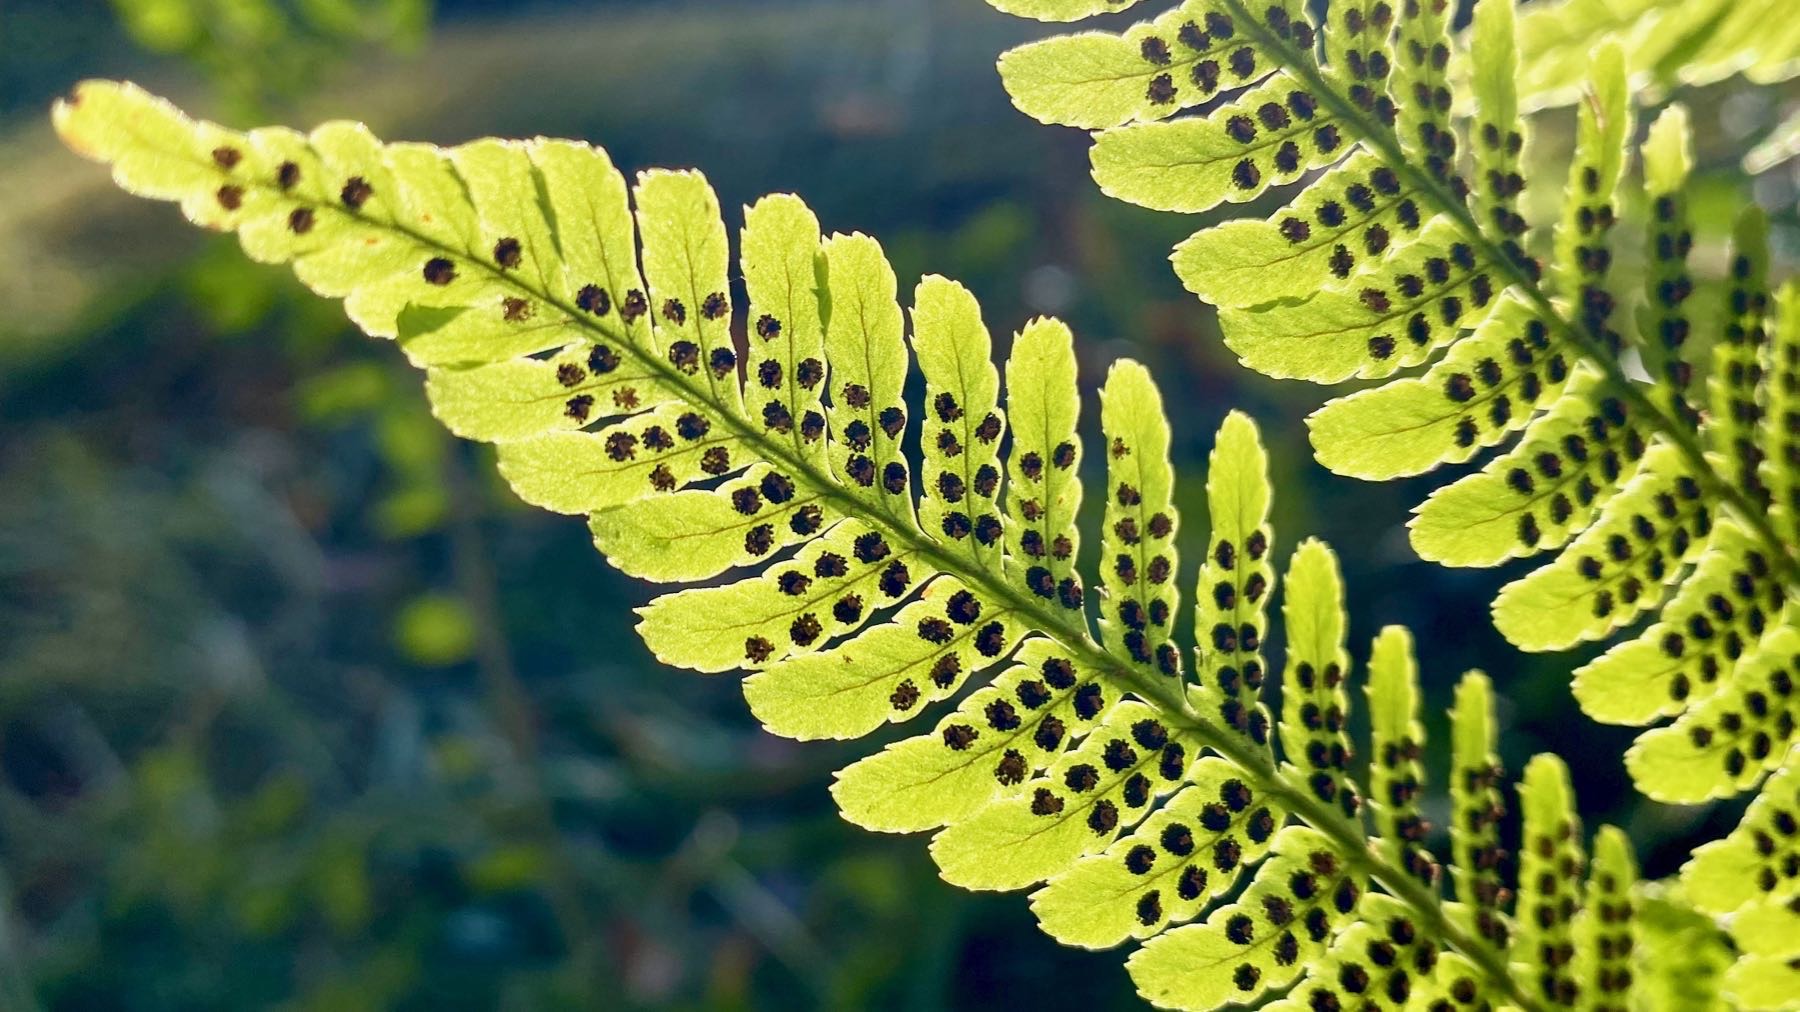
(1734, 387)
(1607, 111)
(1315, 706)
(1393, 691)
(1237, 479)
(1314, 608)
(1664, 323)
(1412, 425)
(1493, 56)
(1604, 120)
(1358, 205)
(1137, 546)
(1606, 929)
(1478, 805)
(1731, 736)
(955, 355)
(1550, 869)
(1194, 164)
(1410, 304)
(1043, 403)
(1396, 767)
(1612, 572)
(1668, 151)
(1237, 575)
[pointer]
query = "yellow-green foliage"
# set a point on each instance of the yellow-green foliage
(1663, 502)
(584, 326)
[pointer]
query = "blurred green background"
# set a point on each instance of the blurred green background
(299, 707)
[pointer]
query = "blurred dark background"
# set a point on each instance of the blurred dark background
(299, 707)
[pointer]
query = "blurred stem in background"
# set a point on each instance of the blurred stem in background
(260, 53)
(509, 701)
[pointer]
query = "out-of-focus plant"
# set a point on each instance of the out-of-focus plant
(259, 50)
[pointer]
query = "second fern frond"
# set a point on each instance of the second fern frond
(1672, 497)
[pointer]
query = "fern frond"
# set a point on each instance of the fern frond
(1657, 498)
(1669, 43)
(596, 345)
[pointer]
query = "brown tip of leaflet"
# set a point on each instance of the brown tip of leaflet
(61, 111)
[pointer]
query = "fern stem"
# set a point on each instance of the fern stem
(511, 704)
(1074, 634)
(1385, 143)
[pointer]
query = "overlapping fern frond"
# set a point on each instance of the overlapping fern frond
(1667, 44)
(1136, 781)
(1402, 255)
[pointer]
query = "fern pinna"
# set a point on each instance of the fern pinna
(1658, 450)
(1137, 781)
